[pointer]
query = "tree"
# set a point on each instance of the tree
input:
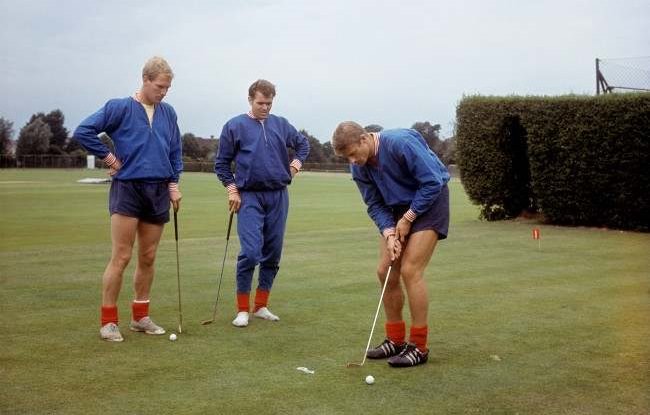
(6, 131)
(34, 138)
(449, 151)
(198, 148)
(209, 147)
(55, 121)
(315, 148)
(73, 147)
(191, 146)
(431, 134)
(328, 153)
(373, 128)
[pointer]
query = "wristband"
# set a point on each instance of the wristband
(110, 160)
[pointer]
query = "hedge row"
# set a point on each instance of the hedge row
(578, 160)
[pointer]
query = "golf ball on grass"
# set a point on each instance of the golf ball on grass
(370, 379)
(172, 337)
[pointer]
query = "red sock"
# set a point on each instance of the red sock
(396, 331)
(419, 337)
(243, 300)
(261, 298)
(109, 314)
(139, 310)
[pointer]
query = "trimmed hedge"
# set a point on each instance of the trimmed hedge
(491, 151)
(578, 160)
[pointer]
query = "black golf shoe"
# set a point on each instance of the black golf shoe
(387, 349)
(410, 356)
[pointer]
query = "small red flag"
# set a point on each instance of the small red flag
(536, 233)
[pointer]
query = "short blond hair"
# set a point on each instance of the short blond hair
(156, 66)
(346, 134)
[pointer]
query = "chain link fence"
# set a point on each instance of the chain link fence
(622, 74)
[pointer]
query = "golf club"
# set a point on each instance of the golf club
(372, 330)
(178, 270)
(223, 263)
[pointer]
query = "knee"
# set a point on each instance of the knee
(247, 260)
(147, 259)
(408, 270)
(411, 271)
(411, 274)
(393, 280)
(121, 259)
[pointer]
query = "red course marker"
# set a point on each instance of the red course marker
(536, 235)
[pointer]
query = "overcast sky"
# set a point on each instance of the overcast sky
(384, 62)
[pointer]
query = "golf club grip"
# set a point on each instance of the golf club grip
(229, 225)
(104, 136)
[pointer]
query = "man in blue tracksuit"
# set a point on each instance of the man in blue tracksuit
(145, 168)
(258, 143)
(404, 186)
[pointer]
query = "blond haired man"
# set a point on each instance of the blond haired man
(404, 186)
(145, 168)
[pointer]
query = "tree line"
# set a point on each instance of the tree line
(45, 134)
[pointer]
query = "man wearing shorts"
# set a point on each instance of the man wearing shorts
(145, 168)
(404, 186)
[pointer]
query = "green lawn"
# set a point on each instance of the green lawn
(514, 329)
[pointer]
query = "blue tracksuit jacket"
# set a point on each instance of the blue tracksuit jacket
(259, 150)
(407, 173)
(147, 152)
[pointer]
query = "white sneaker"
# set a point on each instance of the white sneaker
(110, 332)
(266, 314)
(241, 320)
(146, 325)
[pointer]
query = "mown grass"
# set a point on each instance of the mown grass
(514, 329)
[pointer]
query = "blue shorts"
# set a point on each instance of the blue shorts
(436, 218)
(147, 201)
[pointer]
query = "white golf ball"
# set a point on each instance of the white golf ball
(172, 337)
(370, 379)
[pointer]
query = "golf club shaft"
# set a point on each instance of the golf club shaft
(223, 264)
(374, 322)
(178, 274)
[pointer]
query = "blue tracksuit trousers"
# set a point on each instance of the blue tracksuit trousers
(261, 222)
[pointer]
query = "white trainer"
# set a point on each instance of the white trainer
(241, 320)
(266, 314)
(110, 332)
(146, 325)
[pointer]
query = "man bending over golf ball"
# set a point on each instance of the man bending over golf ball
(404, 185)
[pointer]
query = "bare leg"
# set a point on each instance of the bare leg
(123, 230)
(148, 239)
(415, 259)
(394, 296)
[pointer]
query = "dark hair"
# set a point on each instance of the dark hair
(263, 86)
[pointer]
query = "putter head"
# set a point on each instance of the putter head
(353, 364)
(206, 322)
